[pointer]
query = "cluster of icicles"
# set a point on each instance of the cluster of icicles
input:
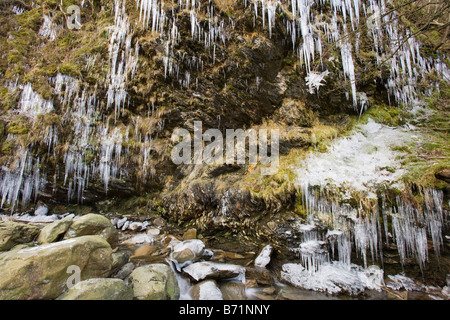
(367, 232)
(333, 232)
(307, 30)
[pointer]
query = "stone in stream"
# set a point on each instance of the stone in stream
(154, 282)
(190, 234)
(143, 252)
(119, 259)
(206, 290)
(263, 258)
(233, 290)
(42, 272)
(93, 224)
(261, 275)
(53, 231)
(125, 271)
(189, 250)
(13, 233)
(212, 270)
(99, 289)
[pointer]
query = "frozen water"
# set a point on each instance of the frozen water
(361, 161)
(314, 80)
(263, 259)
(334, 277)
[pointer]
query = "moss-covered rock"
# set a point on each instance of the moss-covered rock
(99, 289)
(13, 233)
(53, 231)
(154, 282)
(42, 272)
(93, 224)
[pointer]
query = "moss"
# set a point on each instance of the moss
(18, 127)
(387, 115)
(69, 69)
(7, 147)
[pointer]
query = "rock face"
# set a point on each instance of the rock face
(99, 289)
(13, 233)
(94, 224)
(50, 233)
(154, 282)
(42, 272)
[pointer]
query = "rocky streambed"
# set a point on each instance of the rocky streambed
(98, 257)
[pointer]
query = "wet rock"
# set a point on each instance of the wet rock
(153, 231)
(269, 290)
(260, 275)
(55, 230)
(154, 282)
(211, 270)
(99, 289)
(41, 272)
(263, 258)
(139, 239)
(189, 250)
(93, 224)
(262, 296)
(119, 259)
(206, 290)
(159, 222)
(233, 290)
(125, 271)
(143, 252)
(13, 233)
(190, 234)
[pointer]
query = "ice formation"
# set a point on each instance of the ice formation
(334, 277)
(31, 104)
(314, 80)
(48, 28)
(362, 161)
(263, 259)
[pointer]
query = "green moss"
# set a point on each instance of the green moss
(7, 147)
(387, 115)
(18, 127)
(69, 69)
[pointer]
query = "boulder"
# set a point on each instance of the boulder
(154, 282)
(93, 224)
(99, 289)
(212, 270)
(13, 233)
(53, 231)
(42, 272)
(206, 290)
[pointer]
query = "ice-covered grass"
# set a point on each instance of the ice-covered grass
(360, 162)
